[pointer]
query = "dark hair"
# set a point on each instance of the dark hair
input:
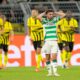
(35, 9)
(49, 10)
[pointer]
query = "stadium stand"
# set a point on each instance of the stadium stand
(18, 11)
(42, 6)
(72, 6)
(14, 14)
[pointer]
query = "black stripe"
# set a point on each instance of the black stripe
(59, 36)
(34, 36)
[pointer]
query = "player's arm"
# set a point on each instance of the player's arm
(61, 14)
(2, 29)
(11, 32)
(75, 27)
(29, 27)
(59, 28)
(40, 16)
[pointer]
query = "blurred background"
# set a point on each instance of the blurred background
(17, 11)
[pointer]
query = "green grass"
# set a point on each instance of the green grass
(28, 73)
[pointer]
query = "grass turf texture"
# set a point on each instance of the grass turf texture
(28, 73)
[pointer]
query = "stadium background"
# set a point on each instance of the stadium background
(21, 51)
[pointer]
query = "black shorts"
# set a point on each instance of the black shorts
(71, 44)
(4, 47)
(65, 43)
(60, 46)
(37, 44)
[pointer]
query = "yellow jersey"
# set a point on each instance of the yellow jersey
(7, 28)
(1, 26)
(36, 29)
(59, 32)
(68, 34)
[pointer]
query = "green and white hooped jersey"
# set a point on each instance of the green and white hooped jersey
(49, 27)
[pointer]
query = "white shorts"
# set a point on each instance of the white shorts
(50, 47)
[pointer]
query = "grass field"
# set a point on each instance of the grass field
(28, 73)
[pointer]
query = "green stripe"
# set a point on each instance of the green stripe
(50, 27)
(48, 32)
(50, 37)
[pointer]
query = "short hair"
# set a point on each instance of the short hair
(35, 9)
(49, 10)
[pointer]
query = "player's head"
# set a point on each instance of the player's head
(34, 12)
(4, 18)
(49, 14)
(68, 14)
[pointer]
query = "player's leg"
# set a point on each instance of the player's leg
(38, 58)
(37, 46)
(37, 61)
(54, 51)
(48, 64)
(5, 49)
(38, 55)
(69, 52)
(65, 54)
(60, 45)
(47, 50)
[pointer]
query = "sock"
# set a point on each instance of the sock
(38, 60)
(0, 59)
(43, 62)
(54, 66)
(64, 56)
(48, 64)
(5, 59)
(61, 56)
(68, 58)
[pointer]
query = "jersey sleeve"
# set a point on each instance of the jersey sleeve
(28, 22)
(1, 22)
(10, 26)
(75, 23)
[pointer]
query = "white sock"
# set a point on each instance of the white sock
(49, 68)
(54, 67)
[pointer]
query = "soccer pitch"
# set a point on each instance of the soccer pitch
(28, 73)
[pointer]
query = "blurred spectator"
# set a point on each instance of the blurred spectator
(63, 0)
(39, 0)
(1, 15)
(3, 1)
(12, 19)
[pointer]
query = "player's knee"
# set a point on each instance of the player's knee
(54, 56)
(66, 48)
(38, 50)
(48, 57)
